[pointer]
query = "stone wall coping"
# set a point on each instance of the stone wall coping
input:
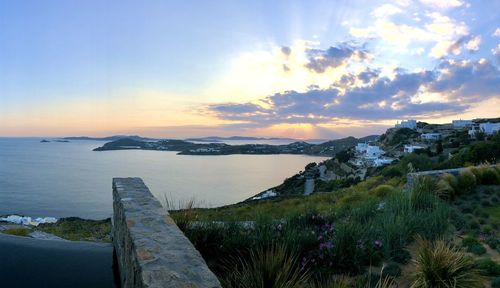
(151, 250)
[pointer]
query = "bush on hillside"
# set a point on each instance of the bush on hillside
(473, 245)
(466, 181)
(495, 282)
(489, 176)
(392, 269)
(422, 193)
(383, 191)
(488, 267)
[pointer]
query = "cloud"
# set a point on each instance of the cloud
(496, 33)
(496, 53)
(443, 4)
(437, 30)
(386, 10)
(321, 60)
(473, 44)
(454, 85)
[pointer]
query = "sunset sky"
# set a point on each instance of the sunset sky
(303, 69)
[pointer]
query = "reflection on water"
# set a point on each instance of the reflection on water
(69, 179)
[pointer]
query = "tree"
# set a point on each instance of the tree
(439, 147)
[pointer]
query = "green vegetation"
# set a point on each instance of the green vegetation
(78, 229)
(440, 265)
(17, 231)
(347, 229)
(351, 230)
(274, 266)
(488, 267)
(473, 245)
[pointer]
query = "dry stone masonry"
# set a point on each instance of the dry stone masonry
(151, 250)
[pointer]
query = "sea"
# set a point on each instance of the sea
(58, 179)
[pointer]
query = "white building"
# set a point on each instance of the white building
(412, 148)
(431, 136)
(461, 123)
(268, 194)
(373, 152)
(487, 128)
(382, 162)
(361, 147)
(411, 124)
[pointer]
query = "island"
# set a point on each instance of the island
(329, 148)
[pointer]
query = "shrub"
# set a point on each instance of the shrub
(401, 256)
(488, 267)
(445, 190)
(487, 229)
(17, 231)
(392, 270)
(473, 245)
(439, 265)
(336, 281)
(489, 176)
(494, 199)
(447, 186)
(495, 282)
(347, 239)
(478, 172)
(493, 242)
(457, 219)
(474, 224)
(486, 203)
(392, 171)
(274, 266)
(383, 191)
(466, 181)
(422, 193)
(466, 208)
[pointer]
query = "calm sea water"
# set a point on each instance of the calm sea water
(69, 179)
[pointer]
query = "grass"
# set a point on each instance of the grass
(17, 232)
(289, 206)
(77, 229)
(274, 266)
(347, 231)
(440, 265)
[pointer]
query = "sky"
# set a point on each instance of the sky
(302, 69)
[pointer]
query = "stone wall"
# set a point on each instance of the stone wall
(151, 250)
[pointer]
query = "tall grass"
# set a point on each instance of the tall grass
(439, 265)
(466, 181)
(274, 266)
(183, 213)
(422, 194)
(447, 186)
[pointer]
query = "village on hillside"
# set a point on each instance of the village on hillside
(356, 163)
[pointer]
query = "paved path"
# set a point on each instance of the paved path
(27, 262)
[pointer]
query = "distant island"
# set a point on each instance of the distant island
(237, 138)
(111, 138)
(329, 148)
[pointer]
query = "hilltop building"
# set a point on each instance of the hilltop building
(373, 152)
(412, 148)
(461, 123)
(486, 128)
(431, 136)
(361, 147)
(410, 124)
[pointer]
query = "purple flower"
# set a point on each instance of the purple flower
(378, 243)
(326, 245)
